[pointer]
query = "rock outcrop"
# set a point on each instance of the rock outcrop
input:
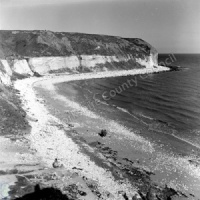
(43, 52)
(5, 73)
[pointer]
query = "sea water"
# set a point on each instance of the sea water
(163, 108)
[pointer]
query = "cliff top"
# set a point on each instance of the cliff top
(37, 43)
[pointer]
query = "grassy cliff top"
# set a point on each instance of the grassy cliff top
(20, 44)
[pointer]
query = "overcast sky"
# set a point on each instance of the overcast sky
(172, 26)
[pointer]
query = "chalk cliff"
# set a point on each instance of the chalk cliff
(25, 53)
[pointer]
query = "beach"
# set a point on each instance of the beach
(48, 145)
(110, 167)
(99, 100)
(62, 129)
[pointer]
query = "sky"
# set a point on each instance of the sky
(172, 26)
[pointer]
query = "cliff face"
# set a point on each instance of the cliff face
(28, 52)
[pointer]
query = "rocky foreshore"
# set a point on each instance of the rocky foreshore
(79, 178)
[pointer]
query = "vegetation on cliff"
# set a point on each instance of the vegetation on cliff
(19, 44)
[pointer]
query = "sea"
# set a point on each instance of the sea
(168, 103)
(162, 108)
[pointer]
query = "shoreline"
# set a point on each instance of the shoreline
(162, 160)
(45, 125)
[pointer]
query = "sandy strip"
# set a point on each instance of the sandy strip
(63, 77)
(50, 142)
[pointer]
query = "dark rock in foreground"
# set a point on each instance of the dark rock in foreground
(103, 133)
(44, 194)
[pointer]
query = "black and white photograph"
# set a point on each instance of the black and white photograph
(99, 100)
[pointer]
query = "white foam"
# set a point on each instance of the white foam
(140, 143)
